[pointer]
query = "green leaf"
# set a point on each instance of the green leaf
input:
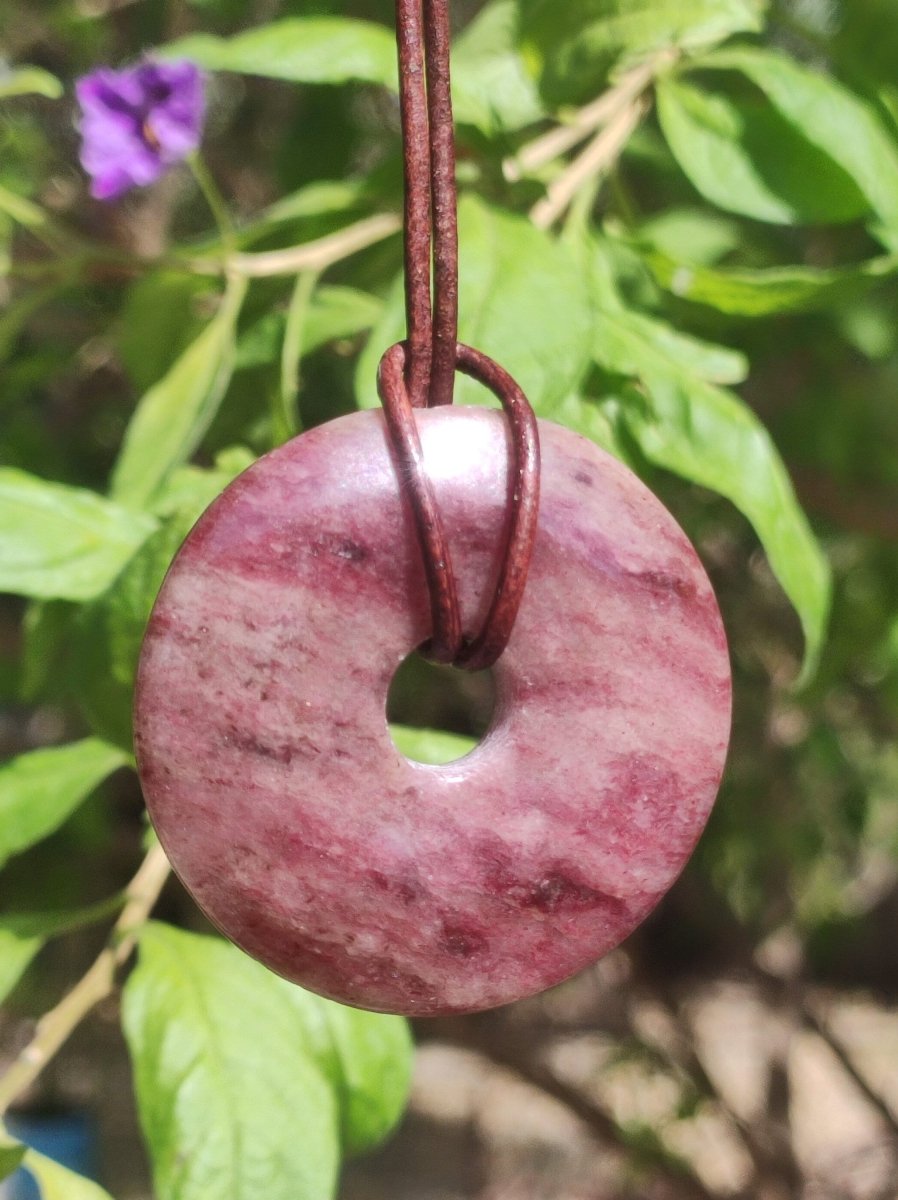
(334, 312)
(104, 644)
(300, 50)
(691, 235)
(491, 88)
(60, 542)
(22, 935)
(59, 1183)
(574, 45)
(173, 415)
(41, 789)
(598, 418)
(232, 1103)
(747, 158)
(29, 81)
(706, 434)
(107, 637)
(322, 197)
(125, 609)
(11, 1155)
(190, 490)
(161, 316)
(522, 300)
(433, 746)
(366, 1056)
(761, 293)
(830, 117)
(624, 336)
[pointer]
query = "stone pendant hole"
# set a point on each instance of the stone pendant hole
(438, 714)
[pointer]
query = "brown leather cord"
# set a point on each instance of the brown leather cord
(447, 643)
(444, 202)
(446, 640)
(420, 372)
(522, 509)
(416, 155)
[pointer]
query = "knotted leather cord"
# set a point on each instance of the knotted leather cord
(420, 372)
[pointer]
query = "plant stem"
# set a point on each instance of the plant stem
(286, 416)
(600, 154)
(56, 1026)
(551, 145)
(215, 201)
(309, 256)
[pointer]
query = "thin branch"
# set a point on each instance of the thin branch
(814, 1023)
(601, 153)
(551, 145)
(487, 1040)
(313, 256)
(56, 1026)
(772, 1160)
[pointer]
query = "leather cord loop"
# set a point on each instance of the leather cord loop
(420, 372)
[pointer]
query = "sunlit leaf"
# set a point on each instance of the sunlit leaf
(708, 435)
(300, 50)
(829, 116)
(760, 293)
(41, 789)
(234, 1098)
(173, 415)
(60, 542)
(691, 235)
(490, 84)
(433, 746)
(367, 1058)
(746, 157)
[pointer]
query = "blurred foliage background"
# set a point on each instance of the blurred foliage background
(679, 230)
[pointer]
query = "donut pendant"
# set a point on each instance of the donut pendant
(268, 766)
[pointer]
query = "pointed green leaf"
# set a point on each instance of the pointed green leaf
(299, 49)
(491, 88)
(366, 1056)
(761, 293)
(172, 417)
(746, 157)
(706, 434)
(232, 1103)
(522, 300)
(41, 789)
(624, 337)
(334, 312)
(828, 116)
(59, 1183)
(23, 934)
(59, 542)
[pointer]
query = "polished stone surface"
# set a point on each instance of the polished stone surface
(270, 772)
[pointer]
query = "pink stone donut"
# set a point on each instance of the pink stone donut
(268, 766)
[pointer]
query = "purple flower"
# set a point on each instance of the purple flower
(138, 122)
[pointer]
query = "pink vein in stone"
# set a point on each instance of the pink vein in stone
(270, 772)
